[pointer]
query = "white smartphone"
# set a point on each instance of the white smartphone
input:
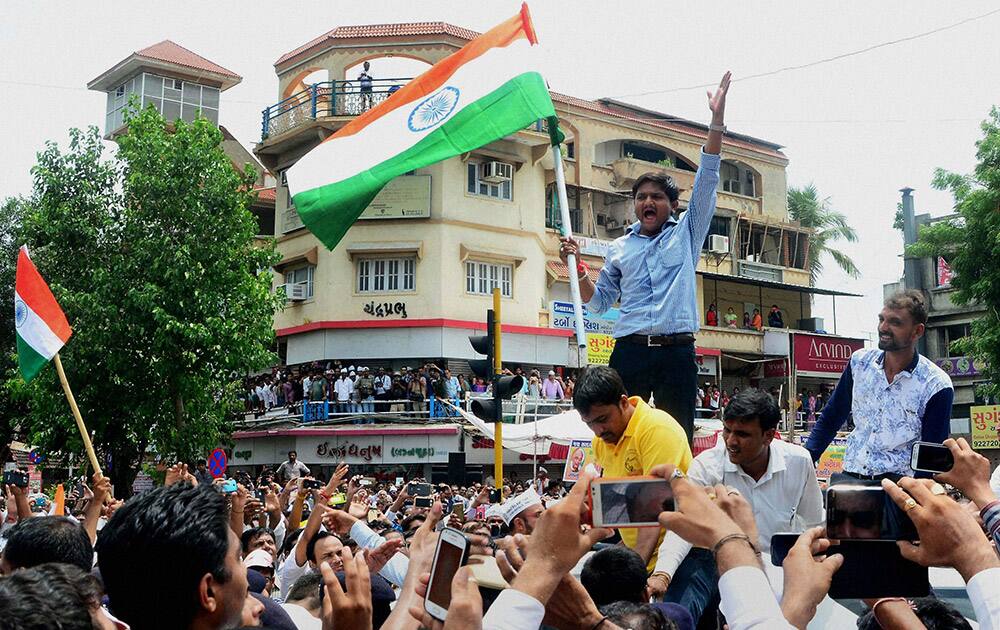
(630, 501)
(451, 553)
(931, 457)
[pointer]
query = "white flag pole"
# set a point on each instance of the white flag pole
(567, 230)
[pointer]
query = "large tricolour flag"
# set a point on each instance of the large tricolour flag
(42, 328)
(487, 90)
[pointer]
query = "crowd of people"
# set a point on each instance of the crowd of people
(361, 390)
(730, 319)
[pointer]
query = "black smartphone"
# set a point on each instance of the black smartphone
(15, 478)
(494, 495)
(865, 512)
(931, 457)
(261, 494)
(423, 502)
(871, 569)
(312, 484)
(418, 489)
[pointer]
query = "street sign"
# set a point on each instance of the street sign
(217, 462)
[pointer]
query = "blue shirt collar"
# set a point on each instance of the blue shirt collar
(909, 368)
(634, 228)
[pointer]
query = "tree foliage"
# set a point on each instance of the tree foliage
(152, 256)
(971, 244)
(829, 225)
(11, 410)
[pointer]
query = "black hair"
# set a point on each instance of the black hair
(288, 543)
(306, 589)
(49, 595)
(34, 541)
(290, 453)
(934, 613)
(311, 545)
(636, 616)
(248, 536)
(599, 385)
(614, 574)
(182, 531)
(912, 301)
(665, 182)
(754, 403)
(406, 522)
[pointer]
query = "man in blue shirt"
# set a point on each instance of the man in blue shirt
(895, 395)
(650, 271)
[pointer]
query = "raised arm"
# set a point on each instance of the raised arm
(717, 104)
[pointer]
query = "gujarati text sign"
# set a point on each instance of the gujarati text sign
(983, 419)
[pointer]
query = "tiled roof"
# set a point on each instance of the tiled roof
(561, 271)
(265, 194)
(600, 108)
(382, 30)
(170, 52)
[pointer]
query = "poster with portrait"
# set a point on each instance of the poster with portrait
(580, 455)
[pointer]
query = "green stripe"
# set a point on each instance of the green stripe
(28, 360)
(328, 211)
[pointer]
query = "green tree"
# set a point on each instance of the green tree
(970, 244)
(11, 410)
(153, 257)
(805, 206)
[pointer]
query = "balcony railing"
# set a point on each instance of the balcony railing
(328, 98)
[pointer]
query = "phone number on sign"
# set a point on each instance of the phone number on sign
(986, 444)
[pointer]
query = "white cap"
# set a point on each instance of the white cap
(258, 558)
(552, 373)
(343, 370)
(351, 368)
(515, 505)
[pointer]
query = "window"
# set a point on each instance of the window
(719, 226)
(175, 99)
(643, 152)
(553, 216)
(482, 277)
(386, 275)
(302, 275)
(478, 187)
(954, 332)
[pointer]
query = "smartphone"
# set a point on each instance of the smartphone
(630, 501)
(871, 569)
(15, 478)
(229, 486)
(418, 489)
(451, 553)
(931, 457)
(865, 512)
(338, 499)
(312, 484)
(423, 502)
(367, 481)
(499, 530)
(495, 495)
(261, 495)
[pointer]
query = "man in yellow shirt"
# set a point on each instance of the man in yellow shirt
(632, 438)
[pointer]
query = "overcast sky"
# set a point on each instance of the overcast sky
(860, 127)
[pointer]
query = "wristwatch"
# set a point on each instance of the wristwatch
(719, 128)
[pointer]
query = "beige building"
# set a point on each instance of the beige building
(412, 278)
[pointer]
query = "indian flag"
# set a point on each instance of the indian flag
(487, 90)
(42, 328)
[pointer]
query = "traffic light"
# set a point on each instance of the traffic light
(504, 386)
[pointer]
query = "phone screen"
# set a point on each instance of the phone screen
(932, 457)
(446, 563)
(419, 489)
(865, 513)
(633, 503)
(423, 502)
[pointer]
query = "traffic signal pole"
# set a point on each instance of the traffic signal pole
(497, 369)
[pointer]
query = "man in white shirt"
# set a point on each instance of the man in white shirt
(777, 479)
(344, 387)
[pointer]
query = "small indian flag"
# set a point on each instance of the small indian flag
(42, 328)
(487, 90)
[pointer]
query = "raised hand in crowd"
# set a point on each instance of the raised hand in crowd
(466, 609)
(272, 505)
(358, 507)
(350, 609)
(179, 472)
(101, 492)
(237, 508)
(941, 523)
(18, 498)
(808, 575)
(970, 474)
(378, 557)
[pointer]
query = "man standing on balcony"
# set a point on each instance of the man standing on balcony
(365, 80)
(650, 271)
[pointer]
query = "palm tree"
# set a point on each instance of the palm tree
(805, 206)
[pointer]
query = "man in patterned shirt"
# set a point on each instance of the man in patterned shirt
(895, 395)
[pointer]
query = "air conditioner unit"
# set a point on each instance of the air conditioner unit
(296, 292)
(731, 186)
(496, 172)
(718, 244)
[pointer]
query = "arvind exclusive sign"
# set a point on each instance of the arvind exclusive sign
(818, 355)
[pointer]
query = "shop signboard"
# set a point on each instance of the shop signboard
(707, 365)
(984, 421)
(377, 449)
(599, 348)
(832, 459)
(822, 355)
(593, 246)
(407, 197)
(960, 366)
(776, 368)
(562, 316)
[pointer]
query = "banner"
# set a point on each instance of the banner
(580, 454)
(984, 426)
(959, 366)
(822, 356)
(599, 348)
(562, 317)
(832, 459)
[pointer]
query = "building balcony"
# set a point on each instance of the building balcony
(730, 339)
(739, 203)
(626, 170)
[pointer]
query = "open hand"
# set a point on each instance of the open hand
(352, 609)
(807, 577)
(379, 556)
(717, 101)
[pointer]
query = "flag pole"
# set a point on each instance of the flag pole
(567, 230)
(76, 414)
